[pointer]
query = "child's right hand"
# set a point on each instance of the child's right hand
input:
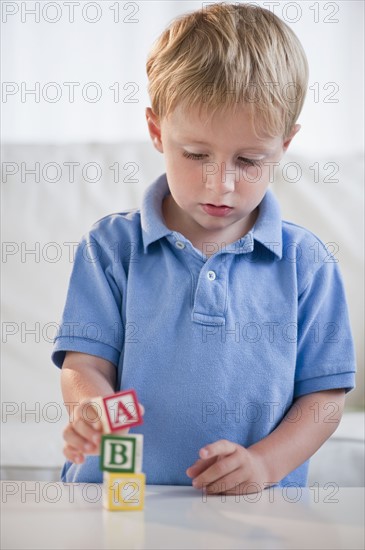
(82, 434)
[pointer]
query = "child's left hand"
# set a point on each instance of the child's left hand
(226, 467)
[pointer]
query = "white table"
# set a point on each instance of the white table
(39, 515)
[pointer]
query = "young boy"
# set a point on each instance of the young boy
(230, 324)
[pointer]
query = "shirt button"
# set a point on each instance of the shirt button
(180, 245)
(211, 275)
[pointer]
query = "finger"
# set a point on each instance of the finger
(236, 483)
(209, 455)
(73, 454)
(245, 488)
(199, 466)
(220, 447)
(218, 471)
(141, 409)
(84, 429)
(232, 484)
(73, 439)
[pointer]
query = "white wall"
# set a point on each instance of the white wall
(107, 52)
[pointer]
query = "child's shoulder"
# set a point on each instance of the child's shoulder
(309, 253)
(301, 238)
(120, 225)
(125, 217)
(116, 235)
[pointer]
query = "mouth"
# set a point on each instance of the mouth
(216, 209)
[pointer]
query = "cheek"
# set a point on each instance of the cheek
(181, 171)
(252, 174)
(254, 178)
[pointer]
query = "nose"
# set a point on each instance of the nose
(221, 178)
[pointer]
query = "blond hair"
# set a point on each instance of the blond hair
(229, 55)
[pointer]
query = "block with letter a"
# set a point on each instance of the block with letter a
(119, 411)
(121, 452)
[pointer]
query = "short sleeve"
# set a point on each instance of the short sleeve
(325, 355)
(91, 321)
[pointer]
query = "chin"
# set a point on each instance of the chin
(215, 225)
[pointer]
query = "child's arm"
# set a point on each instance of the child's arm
(230, 468)
(84, 377)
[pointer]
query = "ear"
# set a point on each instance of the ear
(154, 128)
(288, 139)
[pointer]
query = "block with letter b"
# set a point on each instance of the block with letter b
(123, 491)
(121, 453)
(120, 411)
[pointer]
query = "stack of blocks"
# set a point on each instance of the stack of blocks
(121, 453)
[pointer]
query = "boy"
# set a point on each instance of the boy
(196, 300)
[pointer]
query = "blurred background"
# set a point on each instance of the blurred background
(75, 148)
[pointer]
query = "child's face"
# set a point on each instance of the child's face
(215, 192)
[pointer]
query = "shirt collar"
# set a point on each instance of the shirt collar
(267, 229)
(153, 226)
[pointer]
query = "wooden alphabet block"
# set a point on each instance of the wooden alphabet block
(119, 411)
(121, 453)
(123, 491)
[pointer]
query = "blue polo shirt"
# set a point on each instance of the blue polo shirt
(216, 347)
